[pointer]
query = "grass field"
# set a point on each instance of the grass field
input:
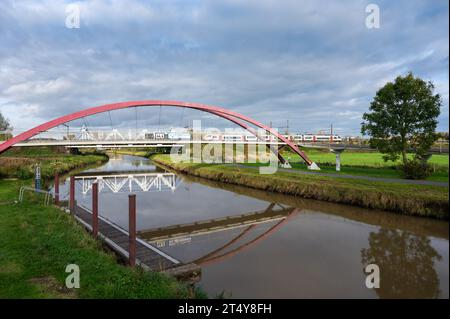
(364, 159)
(418, 200)
(365, 164)
(38, 242)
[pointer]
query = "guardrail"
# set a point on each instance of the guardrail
(47, 197)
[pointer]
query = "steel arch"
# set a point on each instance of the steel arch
(219, 111)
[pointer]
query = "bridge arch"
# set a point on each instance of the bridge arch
(232, 116)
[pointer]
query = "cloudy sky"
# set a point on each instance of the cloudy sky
(312, 62)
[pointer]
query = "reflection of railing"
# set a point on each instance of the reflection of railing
(214, 225)
(183, 233)
(116, 183)
(215, 255)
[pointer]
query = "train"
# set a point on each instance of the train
(305, 138)
(245, 137)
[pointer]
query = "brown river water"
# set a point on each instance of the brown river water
(284, 246)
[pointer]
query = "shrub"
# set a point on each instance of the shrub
(24, 173)
(416, 169)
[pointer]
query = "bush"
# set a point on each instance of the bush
(24, 173)
(416, 169)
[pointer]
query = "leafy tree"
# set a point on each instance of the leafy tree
(403, 117)
(4, 123)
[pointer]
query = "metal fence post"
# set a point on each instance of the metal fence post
(72, 195)
(37, 178)
(95, 209)
(56, 188)
(132, 229)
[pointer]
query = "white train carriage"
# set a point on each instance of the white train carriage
(212, 137)
(233, 137)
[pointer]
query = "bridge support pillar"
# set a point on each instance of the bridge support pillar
(314, 167)
(338, 152)
(285, 165)
(132, 230)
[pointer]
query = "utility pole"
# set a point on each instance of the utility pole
(331, 133)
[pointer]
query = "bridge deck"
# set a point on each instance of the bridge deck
(147, 256)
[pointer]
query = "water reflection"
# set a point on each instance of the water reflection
(264, 245)
(406, 262)
(131, 182)
(274, 214)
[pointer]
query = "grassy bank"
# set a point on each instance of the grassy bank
(365, 164)
(364, 159)
(20, 163)
(38, 242)
(416, 200)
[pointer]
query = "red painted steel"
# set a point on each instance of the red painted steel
(56, 188)
(72, 194)
(132, 229)
(252, 131)
(224, 113)
(211, 259)
(95, 209)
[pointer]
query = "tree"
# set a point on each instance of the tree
(4, 123)
(403, 118)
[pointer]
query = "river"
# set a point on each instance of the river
(281, 246)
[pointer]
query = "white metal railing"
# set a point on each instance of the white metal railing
(47, 196)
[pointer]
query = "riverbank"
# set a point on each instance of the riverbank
(38, 242)
(414, 200)
(20, 163)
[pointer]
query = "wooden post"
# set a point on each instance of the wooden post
(56, 189)
(72, 195)
(132, 229)
(95, 209)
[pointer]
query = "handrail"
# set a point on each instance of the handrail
(27, 188)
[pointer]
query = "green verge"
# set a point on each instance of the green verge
(38, 242)
(20, 163)
(365, 164)
(364, 158)
(415, 200)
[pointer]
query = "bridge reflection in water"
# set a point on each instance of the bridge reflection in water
(128, 182)
(275, 215)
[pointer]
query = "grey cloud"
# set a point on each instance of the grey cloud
(309, 63)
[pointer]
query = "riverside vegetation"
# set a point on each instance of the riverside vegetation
(408, 199)
(38, 242)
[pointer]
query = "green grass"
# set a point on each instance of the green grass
(38, 242)
(385, 172)
(364, 164)
(20, 163)
(417, 200)
(364, 159)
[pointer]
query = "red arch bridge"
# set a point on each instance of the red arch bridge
(234, 117)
